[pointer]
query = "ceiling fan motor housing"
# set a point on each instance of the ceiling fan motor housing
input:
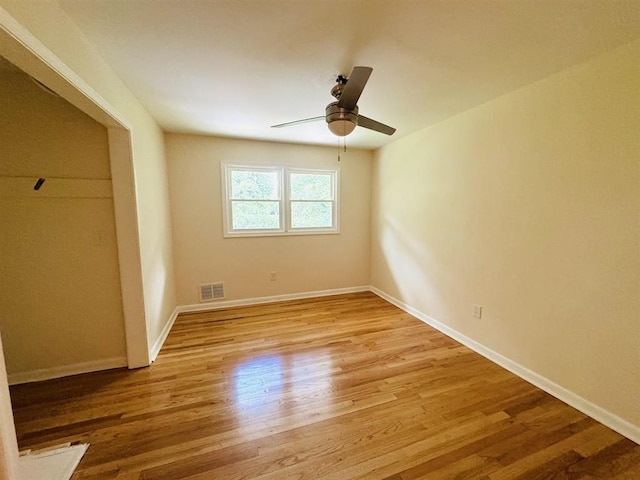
(341, 121)
(337, 89)
(342, 116)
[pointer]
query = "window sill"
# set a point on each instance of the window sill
(296, 233)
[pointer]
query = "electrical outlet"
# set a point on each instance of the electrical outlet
(477, 311)
(99, 238)
(273, 276)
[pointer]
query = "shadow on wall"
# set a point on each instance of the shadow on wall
(157, 284)
(414, 269)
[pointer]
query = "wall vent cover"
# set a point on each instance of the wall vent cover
(211, 291)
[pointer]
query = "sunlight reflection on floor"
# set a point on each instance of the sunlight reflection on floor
(269, 387)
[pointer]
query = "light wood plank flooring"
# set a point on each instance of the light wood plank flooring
(344, 387)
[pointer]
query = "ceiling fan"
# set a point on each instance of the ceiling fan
(342, 116)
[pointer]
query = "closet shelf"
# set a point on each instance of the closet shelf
(55, 187)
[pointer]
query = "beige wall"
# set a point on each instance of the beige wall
(529, 206)
(303, 263)
(142, 209)
(60, 305)
(156, 240)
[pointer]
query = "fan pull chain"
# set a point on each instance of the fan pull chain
(344, 145)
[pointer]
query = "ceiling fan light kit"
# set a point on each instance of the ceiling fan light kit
(341, 121)
(342, 116)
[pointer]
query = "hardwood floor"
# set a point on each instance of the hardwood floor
(344, 387)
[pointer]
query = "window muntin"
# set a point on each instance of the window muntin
(278, 200)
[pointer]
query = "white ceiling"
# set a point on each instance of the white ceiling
(233, 68)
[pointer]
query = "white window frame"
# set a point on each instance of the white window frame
(284, 173)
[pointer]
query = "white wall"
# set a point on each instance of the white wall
(142, 204)
(529, 206)
(60, 303)
(8, 443)
(304, 263)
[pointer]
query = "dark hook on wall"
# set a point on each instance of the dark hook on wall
(38, 184)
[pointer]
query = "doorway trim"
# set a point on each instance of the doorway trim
(25, 51)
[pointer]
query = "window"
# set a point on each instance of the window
(276, 200)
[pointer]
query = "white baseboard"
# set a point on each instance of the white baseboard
(155, 350)
(106, 364)
(42, 374)
(596, 412)
(203, 307)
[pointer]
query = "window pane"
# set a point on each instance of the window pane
(310, 186)
(255, 215)
(311, 214)
(254, 185)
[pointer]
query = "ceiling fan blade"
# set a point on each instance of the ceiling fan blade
(373, 125)
(298, 122)
(353, 88)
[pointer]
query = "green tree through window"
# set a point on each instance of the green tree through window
(311, 200)
(255, 200)
(273, 200)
